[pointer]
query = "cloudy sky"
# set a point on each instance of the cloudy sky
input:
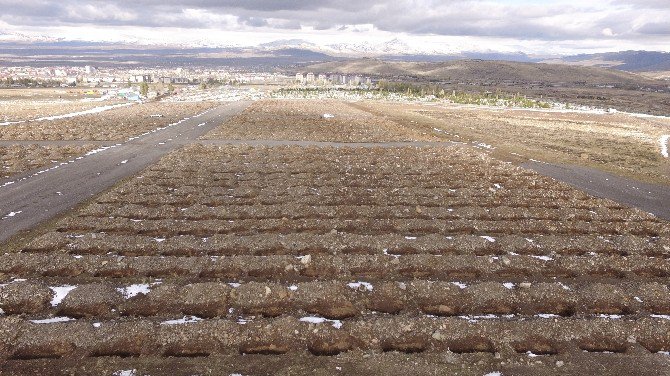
(531, 26)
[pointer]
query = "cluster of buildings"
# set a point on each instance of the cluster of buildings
(90, 76)
(310, 79)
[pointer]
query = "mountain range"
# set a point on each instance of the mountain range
(300, 51)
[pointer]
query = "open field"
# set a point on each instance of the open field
(117, 124)
(17, 159)
(112, 126)
(365, 260)
(25, 104)
(305, 120)
(617, 143)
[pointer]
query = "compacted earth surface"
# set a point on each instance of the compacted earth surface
(325, 260)
(30, 144)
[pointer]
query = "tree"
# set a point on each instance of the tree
(203, 86)
(144, 89)
(170, 88)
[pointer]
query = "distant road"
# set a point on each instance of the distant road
(29, 202)
(651, 198)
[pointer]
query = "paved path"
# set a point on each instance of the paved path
(651, 198)
(32, 200)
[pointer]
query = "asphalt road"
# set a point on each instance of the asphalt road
(651, 198)
(35, 198)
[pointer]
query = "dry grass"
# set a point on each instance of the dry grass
(616, 143)
(17, 159)
(117, 124)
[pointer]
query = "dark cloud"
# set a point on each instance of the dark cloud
(553, 20)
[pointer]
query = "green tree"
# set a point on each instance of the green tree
(170, 88)
(144, 89)
(203, 86)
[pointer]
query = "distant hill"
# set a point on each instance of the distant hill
(632, 61)
(482, 71)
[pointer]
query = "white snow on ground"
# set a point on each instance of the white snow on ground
(665, 317)
(134, 290)
(492, 240)
(357, 285)
(328, 116)
(183, 320)
(410, 237)
(94, 110)
(606, 316)
(52, 320)
(490, 316)
(459, 284)
(337, 324)
(508, 285)
(125, 372)
(493, 374)
(664, 145)
(11, 214)
(293, 287)
(547, 315)
(543, 258)
(60, 292)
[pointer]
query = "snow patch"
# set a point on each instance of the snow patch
(183, 320)
(52, 320)
(125, 372)
(547, 315)
(491, 239)
(358, 285)
(543, 258)
(664, 145)
(328, 116)
(60, 292)
(337, 324)
(12, 214)
(459, 284)
(134, 290)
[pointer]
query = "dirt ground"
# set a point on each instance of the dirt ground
(114, 125)
(310, 120)
(26, 104)
(117, 124)
(617, 143)
(294, 260)
(17, 159)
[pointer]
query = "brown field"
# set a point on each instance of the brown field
(321, 260)
(113, 125)
(17, 159)
(116, 124)
(616, 143)
(25, 104)
(303, 120)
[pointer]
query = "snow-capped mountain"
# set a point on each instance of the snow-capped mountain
(394, 46)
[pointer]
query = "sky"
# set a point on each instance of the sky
(529, 26)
